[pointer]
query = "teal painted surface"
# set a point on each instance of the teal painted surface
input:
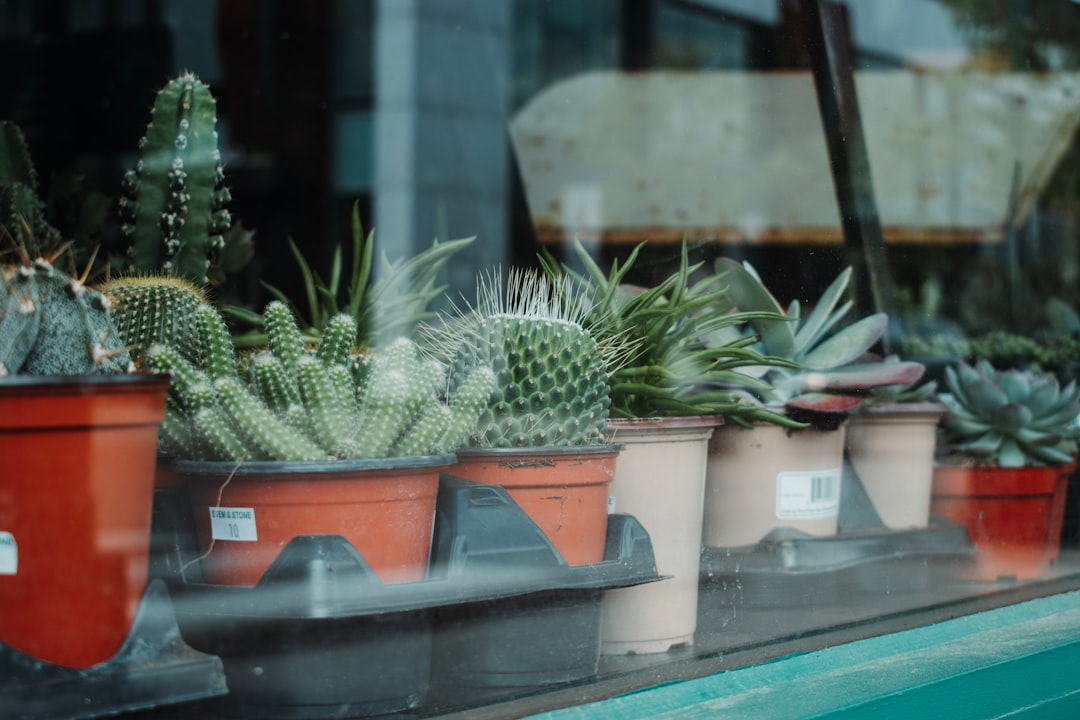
(1021, 661)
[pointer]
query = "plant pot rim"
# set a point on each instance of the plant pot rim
(27, 384)
(903, 408)
(673, 421)
(286, 467)
(548, 450)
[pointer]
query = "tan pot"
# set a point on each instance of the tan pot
(891, 448)
(770, 477)
(660, 480)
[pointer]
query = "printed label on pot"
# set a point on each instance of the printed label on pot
(610, 504)
(233, 524)
(807, 494)
(9, 554)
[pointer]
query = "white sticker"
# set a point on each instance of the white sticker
(807, 494)
(9, 554)
(610, 504)
(233, 524)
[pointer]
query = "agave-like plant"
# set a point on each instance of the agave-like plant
(671, 370)
(1009, 418)
(831, 369)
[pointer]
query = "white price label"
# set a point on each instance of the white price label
(610, 504)
(9, 554)
(807, 494)
(236, 524)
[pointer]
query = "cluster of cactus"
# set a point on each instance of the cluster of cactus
(292, 402)
(174, 205)
(552, 378)
(53, 324)
(1009, 418)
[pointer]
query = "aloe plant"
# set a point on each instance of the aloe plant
(671, 371)
(830, 369)
(1009, 418)
(386, 300)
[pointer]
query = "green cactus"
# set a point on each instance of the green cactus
(174, 204)
(1009, 418)
(53, 324)
(151, 309)
(22, 211)
(552, 378)
(295, 403)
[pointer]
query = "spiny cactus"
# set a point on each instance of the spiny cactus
(292, 402)
(53, 324)
(552, 378)
(174, 209)
(22, 211)
(150, 309)
(1010, 418)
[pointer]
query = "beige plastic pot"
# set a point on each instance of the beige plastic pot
(891, 448)
(660, 480)
(769, 477)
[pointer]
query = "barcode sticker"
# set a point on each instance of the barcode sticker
(807, 494)
(9, 554)
(233, 524)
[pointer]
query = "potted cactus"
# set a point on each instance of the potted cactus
(1008, 444)
(891, 439)
(667, 397)
(78, 434)
(771, 476)
(292, 440)
(541, 432)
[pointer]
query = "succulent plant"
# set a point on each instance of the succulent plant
(387, 300)
(830, 368)
(153, 309)
(22, 211)
(174, 205)
(668, 369)
(1009, 418)
(912, 392)
(53, 324)
(552, 377)
(294, 402)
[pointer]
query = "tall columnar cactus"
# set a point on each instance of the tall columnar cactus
(22, 211)
(551, 377)
(292, 402)
(53, 324)
(174, 209)
(150, 309)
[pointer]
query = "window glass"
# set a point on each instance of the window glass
(899, 172)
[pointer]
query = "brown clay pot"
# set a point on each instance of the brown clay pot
(75, 506)
(564, 490)
(1013, 516)
(245, 514)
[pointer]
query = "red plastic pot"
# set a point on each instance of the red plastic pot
(75, 505)
(245, 514)
(564, 490)
(1013, 516)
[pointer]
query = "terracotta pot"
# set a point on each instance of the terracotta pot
(660, 481)
(770, 477)
(1013, 516)
(891, 448)
(75, 506)
(245, 514)
(564, 490)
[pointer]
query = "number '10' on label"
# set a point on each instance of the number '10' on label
(237, 524)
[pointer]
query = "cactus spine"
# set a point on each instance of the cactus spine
(53, 324)
(157, 309)
(552, 379)
(174, 204)
(295, 403)
(22, 212)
